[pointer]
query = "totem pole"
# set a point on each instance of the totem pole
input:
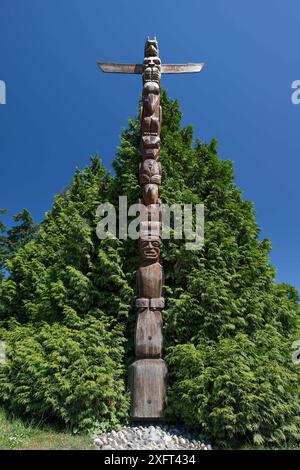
(147, 375)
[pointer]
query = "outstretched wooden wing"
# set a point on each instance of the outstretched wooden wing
(181, 68)
(113, 67)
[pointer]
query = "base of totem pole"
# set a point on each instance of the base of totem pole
(147, 378)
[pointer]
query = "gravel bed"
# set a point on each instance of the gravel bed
(156, 437)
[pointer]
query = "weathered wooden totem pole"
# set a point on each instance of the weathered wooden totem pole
(148, 373)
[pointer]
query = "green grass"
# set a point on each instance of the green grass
(15, 434)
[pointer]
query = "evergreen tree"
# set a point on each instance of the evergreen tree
(2, 244)
(13, 239)
(21, 233)
(63, 313)
(228, 326)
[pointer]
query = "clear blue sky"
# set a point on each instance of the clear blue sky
(60, 109)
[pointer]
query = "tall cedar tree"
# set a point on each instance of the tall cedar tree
(228, 329)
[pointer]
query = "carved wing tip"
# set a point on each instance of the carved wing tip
(197, 67)
(101, 66)
(182, 68)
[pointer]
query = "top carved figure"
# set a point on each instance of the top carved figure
(151, 110)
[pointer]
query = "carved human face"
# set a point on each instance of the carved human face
(150, 250)
(152, 62)
(152, 69)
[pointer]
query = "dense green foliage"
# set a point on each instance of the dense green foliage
(228, 327)
(13, 239)
(68, 299)
(70, 371)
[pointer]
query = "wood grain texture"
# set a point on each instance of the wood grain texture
(112, 67)
(148, 334)
(150, 280)
(148, 387)
(181, 68)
